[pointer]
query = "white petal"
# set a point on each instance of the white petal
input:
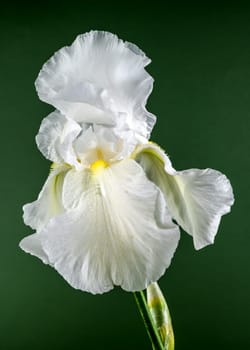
(32, 244)
(55, 138)
(38, 213)
(99, 79)
(102, 142)
(116, 231)
(196, 198)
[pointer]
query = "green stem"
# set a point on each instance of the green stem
(148, 321)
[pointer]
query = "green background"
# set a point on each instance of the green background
(201, 65)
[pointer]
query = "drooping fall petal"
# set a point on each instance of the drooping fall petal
(49, 203)
(116, 230)
(196, 198)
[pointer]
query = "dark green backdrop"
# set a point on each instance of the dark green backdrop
(201, 65)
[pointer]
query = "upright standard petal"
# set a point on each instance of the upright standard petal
(56, 136)
(116, 230)
(99, 79)
(196, 198)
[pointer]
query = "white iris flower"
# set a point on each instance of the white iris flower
(104, 215)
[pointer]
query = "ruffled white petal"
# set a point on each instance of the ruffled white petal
(116, 230)
(56, 136)
(99, 79)
(49, 203)
(32, 244)
(196, 198)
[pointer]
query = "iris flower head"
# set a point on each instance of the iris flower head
(104, 217)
